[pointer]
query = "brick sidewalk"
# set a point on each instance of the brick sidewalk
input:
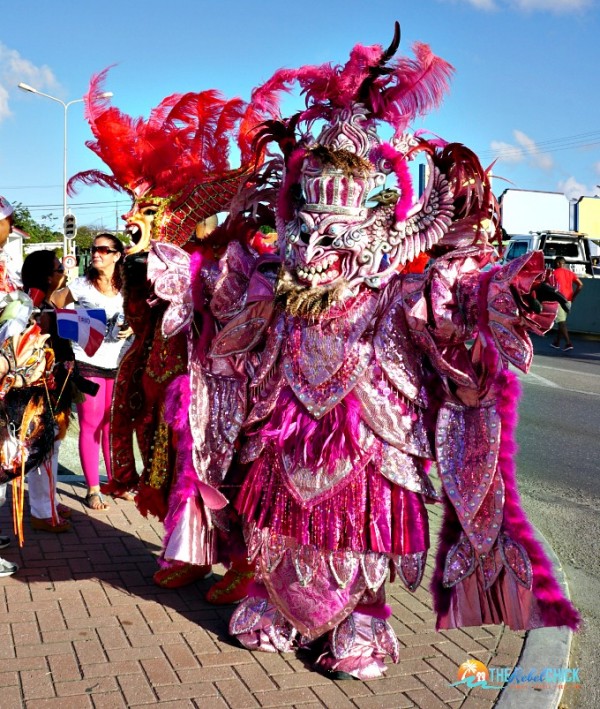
(84, 626)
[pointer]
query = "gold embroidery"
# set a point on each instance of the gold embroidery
(160, 459)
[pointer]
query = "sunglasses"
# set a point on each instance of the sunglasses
(103, 250)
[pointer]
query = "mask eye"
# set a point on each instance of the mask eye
(335, 229)
(149, 211)
(303, 228)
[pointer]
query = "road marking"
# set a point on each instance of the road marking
(543, 380)
(565, 371)
(550, 384)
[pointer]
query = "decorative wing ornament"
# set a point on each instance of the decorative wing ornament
(429, 220)
(426, 223)
(169, 273)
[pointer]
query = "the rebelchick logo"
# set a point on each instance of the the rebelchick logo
(474, 673)
(471, 672)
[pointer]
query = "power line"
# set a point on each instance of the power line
(572, 142)
(516, 150)
(79, 204)
(576, 137)
(548, 146)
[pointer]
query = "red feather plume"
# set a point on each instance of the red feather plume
(185, 140)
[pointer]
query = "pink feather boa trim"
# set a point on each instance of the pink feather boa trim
(555, 608)
(399, 165)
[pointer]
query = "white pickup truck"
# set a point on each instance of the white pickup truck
(573, 246)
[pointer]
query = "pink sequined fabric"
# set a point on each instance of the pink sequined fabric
(359, 646)
(468, 442)
(258, 625)
(339, 434)
(507, 321)
(364, 511)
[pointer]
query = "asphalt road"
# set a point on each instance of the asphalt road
(559, 481)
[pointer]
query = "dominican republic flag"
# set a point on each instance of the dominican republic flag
(85, 327)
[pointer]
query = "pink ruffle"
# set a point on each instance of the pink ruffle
(325, 441)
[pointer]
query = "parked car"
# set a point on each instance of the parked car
(573, 246)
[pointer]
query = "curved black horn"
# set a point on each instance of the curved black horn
(379, 69)
(393, 48)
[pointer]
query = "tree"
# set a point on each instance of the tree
(41, 233)
(38, 233)
(85, 237)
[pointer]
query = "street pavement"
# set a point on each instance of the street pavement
(84, 626)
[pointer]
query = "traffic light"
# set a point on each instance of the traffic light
(70, 226)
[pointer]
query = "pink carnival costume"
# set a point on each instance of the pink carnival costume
(359, 377)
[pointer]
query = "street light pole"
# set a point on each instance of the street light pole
(65, 105)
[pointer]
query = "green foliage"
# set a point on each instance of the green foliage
(39, 233)
(43, 233)
(85, 237)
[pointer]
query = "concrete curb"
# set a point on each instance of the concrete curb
(543, 647)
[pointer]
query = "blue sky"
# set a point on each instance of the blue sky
(525, 88)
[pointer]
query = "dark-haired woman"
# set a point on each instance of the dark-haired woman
(100, 287)
(42, 271)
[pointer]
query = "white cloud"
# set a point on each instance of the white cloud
(483, 4)
(4, 108)
(15, 69)
(507, 152)
(524, 149)
(554, 6)
(574, 190)
(537, 159)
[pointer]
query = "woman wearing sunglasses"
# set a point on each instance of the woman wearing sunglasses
(100, 287)
(42, 275)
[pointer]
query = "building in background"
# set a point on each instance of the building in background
(524, 211)
(15, 245)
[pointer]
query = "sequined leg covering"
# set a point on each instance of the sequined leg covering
(258, 625)
(359, 644)
(351, 615)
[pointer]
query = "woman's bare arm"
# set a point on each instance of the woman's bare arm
(62, 297)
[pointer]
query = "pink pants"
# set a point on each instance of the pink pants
(94, 430)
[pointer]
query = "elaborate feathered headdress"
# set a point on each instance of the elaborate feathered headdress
(392, 90)
(373, 86)
(179, 156)
(337, 170)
